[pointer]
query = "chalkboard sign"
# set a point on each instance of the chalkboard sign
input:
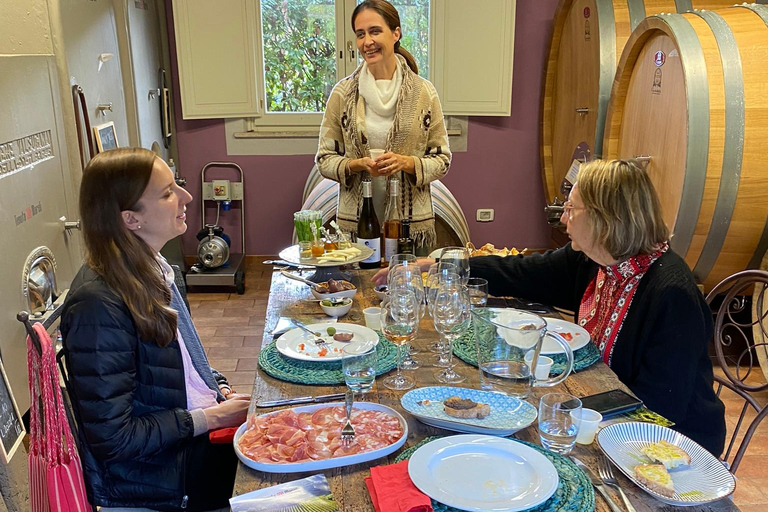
(106, 138)
(11, 427)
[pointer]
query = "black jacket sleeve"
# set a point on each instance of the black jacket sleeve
(557, 278)
(101, 352)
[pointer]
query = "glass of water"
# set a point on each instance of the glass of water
(478, 292)
(358, 362)
(559, 420)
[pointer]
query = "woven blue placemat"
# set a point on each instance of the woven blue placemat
(284, 368)
(465, 349)
(574, 491)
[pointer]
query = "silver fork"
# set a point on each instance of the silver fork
(317, 340)
(606, 473)
(348, 432)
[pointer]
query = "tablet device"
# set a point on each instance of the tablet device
(611, 403)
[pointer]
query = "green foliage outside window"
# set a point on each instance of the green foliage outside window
(299, 38)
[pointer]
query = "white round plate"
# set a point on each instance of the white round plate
(704, 481)
(579, 336)
(317, 465)
(289, 344)
(483, 473)
(508, 414)
(291, 255)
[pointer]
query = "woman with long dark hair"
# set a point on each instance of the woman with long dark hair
(143, 393)
(384, 105)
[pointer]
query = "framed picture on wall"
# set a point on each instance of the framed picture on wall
(165, 100)
(105, 135)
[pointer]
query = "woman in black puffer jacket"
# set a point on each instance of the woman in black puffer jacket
(143, 393)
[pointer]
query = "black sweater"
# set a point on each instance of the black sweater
(661, 351)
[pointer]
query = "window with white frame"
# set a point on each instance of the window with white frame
(309, 45)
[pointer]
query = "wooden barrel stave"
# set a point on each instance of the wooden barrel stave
(718, 216)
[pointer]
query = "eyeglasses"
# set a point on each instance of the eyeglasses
(568, 209)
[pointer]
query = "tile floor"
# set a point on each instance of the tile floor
(231, 327)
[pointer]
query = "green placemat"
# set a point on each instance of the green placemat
(574, 491)
(309, 372)
(465, 349)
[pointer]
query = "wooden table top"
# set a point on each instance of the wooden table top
(290, 298)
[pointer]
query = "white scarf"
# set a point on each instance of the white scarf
(380, 95)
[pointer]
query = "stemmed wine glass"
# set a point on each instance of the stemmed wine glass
(459, 256)
(451, 314)
(407, 276)
(399, 324)
(436, 272)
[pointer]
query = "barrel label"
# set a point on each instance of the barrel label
(656, 87)
(587, 35)
(659, 59)
(587, 12)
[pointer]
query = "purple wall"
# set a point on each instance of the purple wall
(500, 170)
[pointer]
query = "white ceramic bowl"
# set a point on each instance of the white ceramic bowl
(346, 293)
(338, 310)
(381, 291)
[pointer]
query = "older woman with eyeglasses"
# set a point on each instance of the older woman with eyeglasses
(630, 291)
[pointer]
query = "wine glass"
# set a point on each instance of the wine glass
(459, 256)
(407, 277)
(399, 324)
(451, 315)
(431, 282)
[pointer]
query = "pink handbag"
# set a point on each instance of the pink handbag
(55, 471)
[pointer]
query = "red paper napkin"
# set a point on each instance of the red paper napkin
(222, 435)
(391, 490)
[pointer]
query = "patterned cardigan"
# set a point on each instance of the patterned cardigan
(418, 130)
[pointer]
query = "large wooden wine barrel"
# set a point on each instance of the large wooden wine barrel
(450, 223)
(587, 40)
(690, 95)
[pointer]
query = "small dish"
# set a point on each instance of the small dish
(336, 306)
(381, 291)
(329, 295)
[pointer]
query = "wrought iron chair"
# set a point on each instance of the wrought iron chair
(730, 330)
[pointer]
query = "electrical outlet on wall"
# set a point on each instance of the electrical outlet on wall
(484, 215)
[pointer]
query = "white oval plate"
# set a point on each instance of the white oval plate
(317, 465)
(704, 481)
(508, 414)
(289, 343)
(579, 336)
(483, 473)
(291, 254)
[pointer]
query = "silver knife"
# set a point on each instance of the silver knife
(301, 400)
(597, 484)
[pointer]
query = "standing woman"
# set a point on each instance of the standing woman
(384, 105)
(143, 393)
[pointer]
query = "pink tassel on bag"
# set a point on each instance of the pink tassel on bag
(55, 471)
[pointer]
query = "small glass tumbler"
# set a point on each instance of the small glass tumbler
(358, 362)
(559, 421)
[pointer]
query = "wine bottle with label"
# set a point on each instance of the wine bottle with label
(392, 220)
(368, 229)
(405, 242)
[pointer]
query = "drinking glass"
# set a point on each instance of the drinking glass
(559, 420)
(459, 256)
(478, 292)
(398, 259)
(436, 270)
(358, 362)
(451, 314)
(406, 276)
(399, 324)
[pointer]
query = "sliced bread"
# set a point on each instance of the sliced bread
(656, 478)
(667, 453)
(465, 408)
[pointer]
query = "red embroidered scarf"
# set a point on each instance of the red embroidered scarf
(608, 297)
